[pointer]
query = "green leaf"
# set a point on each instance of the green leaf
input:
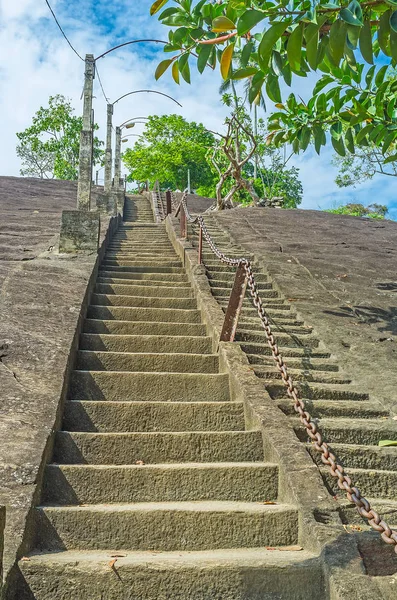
(336, 130)
(321, 83)
(363, 133)
(393, 44)
(175, 72)
(353, 34)
(221, 24)
(156, 6)
(226, 60)
(311, 45)
(393, 21)
(380, 75)
(389, 159)
(269, 39)
(203, 57)
(319, 138)
(349, 140)
(347, 16)
(389, 139)
(244, 73)
(256, 86)
(387, 442)
(273, 88)
(246, 53)
(248, 20)
(337, 38)
(304, 136)
(162, 67)
(384, 32)
(168, 12)
(339, 146)
(369, 76)
(184, 68)
(366, 42)
(294, 48)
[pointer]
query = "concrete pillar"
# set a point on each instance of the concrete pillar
(79, 231)
(117, 160)
(108, 152)
(86, 139)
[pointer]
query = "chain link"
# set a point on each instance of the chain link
(353, 494)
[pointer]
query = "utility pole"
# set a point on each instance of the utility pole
(117, 160)
(86, 139)
(108, 153)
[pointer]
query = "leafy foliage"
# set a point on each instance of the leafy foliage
(373, 211)
(168, 147)
(280, 40)
(362, 166)
(50, 146)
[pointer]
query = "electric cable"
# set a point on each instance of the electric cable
(62, 31)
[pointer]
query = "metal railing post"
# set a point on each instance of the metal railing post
(235, 305)
(168, 201)
(183, 223)
(200, 250)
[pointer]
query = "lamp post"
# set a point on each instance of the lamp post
(86, 138)
(108, 152)
(117, 157)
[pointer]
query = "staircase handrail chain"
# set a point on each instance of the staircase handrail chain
(345, 483)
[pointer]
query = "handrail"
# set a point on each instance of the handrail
(353, 494)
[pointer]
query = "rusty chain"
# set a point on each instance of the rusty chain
(353, 494)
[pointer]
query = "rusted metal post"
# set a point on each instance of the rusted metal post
(168, 201)
(200, 252)
(183, 222)
(235, 305)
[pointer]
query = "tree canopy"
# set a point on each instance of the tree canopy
(167, 148)
(279, 40)
(50, 146)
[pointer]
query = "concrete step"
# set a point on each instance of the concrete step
(316, 391)
(140, 269)
(126, 253)
(219, 288)
(122, 263)
(143, 328)
(227, 278)
(278, 325)
(88, 360)
(173, 387)
(263, 350)
(362, 457)
(236, 574)
(342, 409)
(143, 282)
(146, 343)
(101, 416)
(146, 290)
(86, 484)
(166, 526)
(354, 432)
(284, 340)
(169, 278)
(267, 372)
(157, 447)
(373, 483)
(304, 364)
(142, 301)
(159, 315)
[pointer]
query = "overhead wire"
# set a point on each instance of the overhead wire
(100, 83)
(62, 31)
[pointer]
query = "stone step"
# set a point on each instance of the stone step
(373, 483)
(173, 387)
(342, 409)
(157, 447)
(283, 339)
(101, 416)
(140, 269)
(361, 457)
(267, 372)
(219, 288)
(223, 294)
(236, 574)
(144, 282)
(122, 264)
(280, 325)
(316, 391)
(143, 328)
(86, 484)
(142, 301)
(146, 343)
(88, 360)
(159, 315)
(154, 276)
(353, 432)
(264, 350)
(305, 364)
(228, 278)
(137, 254)
(140, 290)
(166, 526)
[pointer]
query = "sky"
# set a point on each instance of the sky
(36, 62)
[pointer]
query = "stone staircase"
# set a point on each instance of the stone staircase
(351, 421)
(156, 489)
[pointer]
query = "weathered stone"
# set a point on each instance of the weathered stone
(79, 231)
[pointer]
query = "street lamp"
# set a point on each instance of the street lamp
(108, 153)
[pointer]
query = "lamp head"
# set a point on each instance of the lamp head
(130, 125)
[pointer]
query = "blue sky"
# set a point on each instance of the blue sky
(37, 62)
